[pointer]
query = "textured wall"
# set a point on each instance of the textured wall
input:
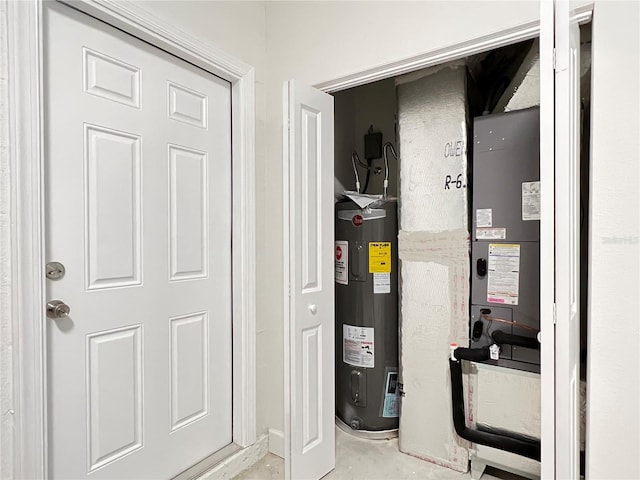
(6, 347)
(613, 417)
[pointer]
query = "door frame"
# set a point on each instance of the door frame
(24, 20)
(549, 355)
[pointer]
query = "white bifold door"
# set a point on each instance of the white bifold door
(309, 348)
(138, 211)
(560, 183)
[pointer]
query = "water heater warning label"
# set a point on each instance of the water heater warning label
(391, 404)
(381, 283)
(358, 346)
(342, 262)
(379, 257)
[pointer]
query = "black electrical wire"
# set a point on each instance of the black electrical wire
(366, 181)
(386, 146)
(355, 158)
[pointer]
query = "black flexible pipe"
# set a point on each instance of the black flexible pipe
(502, 338)
(506, 433)
(514, 444)
(472, 354)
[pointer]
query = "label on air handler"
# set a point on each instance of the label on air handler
(504, 273)
(379, 257)
(530, 201)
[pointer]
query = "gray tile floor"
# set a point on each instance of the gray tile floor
(359, 459)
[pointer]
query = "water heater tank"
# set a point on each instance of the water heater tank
(366, 256)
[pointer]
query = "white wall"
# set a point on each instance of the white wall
(613, 422)
(316, 42)
(321, 41)
(238, 28)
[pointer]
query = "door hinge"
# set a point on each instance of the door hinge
(555, 61)
(554, 314)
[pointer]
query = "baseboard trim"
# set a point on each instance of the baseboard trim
(276, 442)
(237, 462)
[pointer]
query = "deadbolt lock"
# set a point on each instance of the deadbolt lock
(55, 270)
(57, 309)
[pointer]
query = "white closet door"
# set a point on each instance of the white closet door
(560, 193)
(138, 198)
(309, 376)
(567, 167)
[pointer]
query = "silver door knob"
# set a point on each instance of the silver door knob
(313, 309)
(57, 309)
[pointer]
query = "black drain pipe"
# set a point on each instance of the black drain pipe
(502, 338)
(510, 442)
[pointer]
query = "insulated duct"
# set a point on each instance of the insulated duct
(510, 442)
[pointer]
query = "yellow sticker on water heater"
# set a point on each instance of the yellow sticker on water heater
(379, 257)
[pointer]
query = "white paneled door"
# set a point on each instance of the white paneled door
(567, 244)
(310, 400)
(560, 238)
(138, 210)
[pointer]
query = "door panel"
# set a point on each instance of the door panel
(112, 212)
(567, 168)
(110, 78)
(189, 369)
(309, 426)
(114, 373)
(559, 238)
(188, 202)
(138, 209)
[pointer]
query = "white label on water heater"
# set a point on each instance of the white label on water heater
(358, 346)
(381, 283)
(342, 262)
